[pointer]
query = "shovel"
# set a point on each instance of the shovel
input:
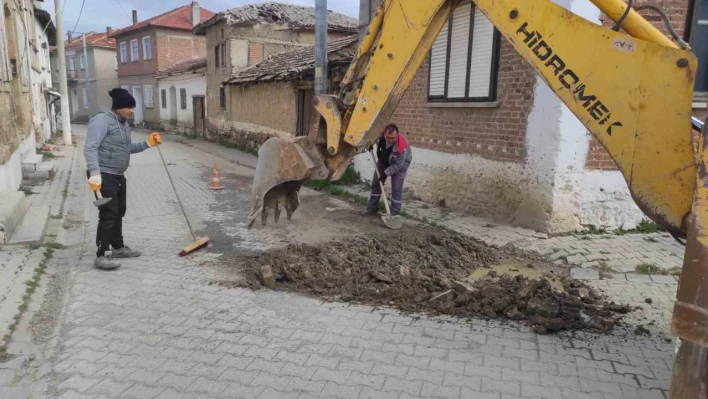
(390, 221)
(101, 201)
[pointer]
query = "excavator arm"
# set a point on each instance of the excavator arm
(633, 92)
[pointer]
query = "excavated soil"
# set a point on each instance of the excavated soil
(433, 271)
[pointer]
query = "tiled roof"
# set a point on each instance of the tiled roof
(187, 66)
(298, 17)
(294, 64)
(179, 18)
(93, 39)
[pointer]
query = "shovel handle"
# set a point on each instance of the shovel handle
(98, 194)
(376, 167)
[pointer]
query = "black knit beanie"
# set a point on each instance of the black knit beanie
(122, 99)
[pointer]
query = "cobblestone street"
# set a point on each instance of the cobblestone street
(159, 327)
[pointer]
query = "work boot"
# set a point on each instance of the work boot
(370, 212)
(106, 263)
(125, 252)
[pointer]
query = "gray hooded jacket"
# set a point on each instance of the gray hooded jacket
(108, 146)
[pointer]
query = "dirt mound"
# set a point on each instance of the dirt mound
(430, 270)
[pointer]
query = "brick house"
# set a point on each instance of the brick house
(276, 96)
(89, 80)
(495, 141)
(158, 43)
(244, 36)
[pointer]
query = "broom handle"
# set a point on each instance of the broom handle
(176, 195)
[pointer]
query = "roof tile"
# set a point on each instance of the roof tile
(179, 18)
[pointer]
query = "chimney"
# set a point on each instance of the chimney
(108, 30)
(135, 17)
(196, 14)
(70, 36)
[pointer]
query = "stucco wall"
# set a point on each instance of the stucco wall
(11, 170)
(195, 85)
(151, 116)
(273, 105)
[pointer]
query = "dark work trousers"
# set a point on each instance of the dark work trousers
(110, 216)
(397, 180)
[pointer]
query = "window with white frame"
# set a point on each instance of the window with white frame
(147, 48)
(183, 98)
(85, 93)
(82, 62)
(71, 72)
(463, 60)
(123, 53)
(163, 94)
(134, 51)
(147, 92)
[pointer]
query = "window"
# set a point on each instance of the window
(183, 98)
(463, 60)
(216, 56)
(82, 62)
(223, 55)
(147, 93)
(147, 48)
(134, 52)
(163, 95)
(71, 72)
(85, 93)
(123, 53)
(222, 97)
(699, 43)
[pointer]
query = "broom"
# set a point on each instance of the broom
(197, 244)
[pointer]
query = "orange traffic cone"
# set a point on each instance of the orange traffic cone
(215, 180)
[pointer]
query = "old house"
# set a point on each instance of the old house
(44, 38)
(88, 79)
(158, 43)
(182, 91)
(244, 36)
(491, 138)
(276, 95)
(22, 59)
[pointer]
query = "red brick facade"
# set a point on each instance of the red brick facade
(255, 53)
(496, 133)
(499, 132)
(175, 47)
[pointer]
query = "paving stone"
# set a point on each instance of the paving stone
(584, 274)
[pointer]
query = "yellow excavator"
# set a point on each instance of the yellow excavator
(632, 89)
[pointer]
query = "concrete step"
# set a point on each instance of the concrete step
(31, 162)
(33, 227)
(13, 206)
(44, 171)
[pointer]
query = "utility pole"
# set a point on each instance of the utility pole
(87, 75)
(320, 47)
(63, 87)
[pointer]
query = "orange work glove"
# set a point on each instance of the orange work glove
(95, 182)
(154, 139)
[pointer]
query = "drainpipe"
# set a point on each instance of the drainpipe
(320, 47)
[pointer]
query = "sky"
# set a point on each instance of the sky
(98, 14)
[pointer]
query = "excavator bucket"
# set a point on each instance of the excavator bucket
(284, 163)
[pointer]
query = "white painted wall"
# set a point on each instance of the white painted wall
(11, 171)
(552, 192)
(195, 84)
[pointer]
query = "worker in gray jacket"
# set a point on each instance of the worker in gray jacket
(107, 152)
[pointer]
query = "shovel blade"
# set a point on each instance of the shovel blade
(391, 222)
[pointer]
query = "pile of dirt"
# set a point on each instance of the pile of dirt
(430, 270)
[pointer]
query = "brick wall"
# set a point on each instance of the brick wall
(495, 133)
(174, 47)
(255, 53)
(598, 158)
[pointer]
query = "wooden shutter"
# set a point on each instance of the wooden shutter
(438, 64)
(459, 50)
(482, 56)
